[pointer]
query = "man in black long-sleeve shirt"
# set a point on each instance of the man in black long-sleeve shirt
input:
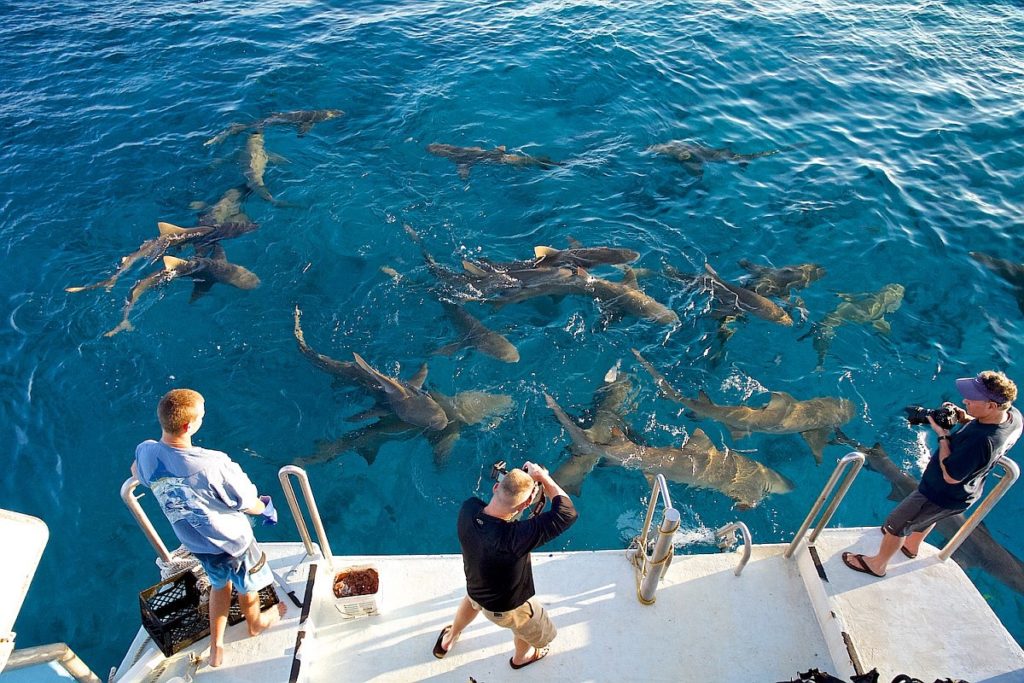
(496, 558)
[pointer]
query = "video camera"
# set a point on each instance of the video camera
(537, 497)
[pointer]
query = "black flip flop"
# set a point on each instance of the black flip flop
(861, 566)
(538, 654)
(439, 651)
(912, 556)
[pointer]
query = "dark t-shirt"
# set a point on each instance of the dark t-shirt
(496, 553)
(972, 452)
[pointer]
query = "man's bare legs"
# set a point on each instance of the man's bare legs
(220, 603)
(464, 615)
(890, 546)
(257, 621)
(523, 651)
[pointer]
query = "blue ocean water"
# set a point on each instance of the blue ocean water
(899, 129)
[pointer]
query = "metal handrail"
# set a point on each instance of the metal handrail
(132, 501)
(984, 507)
(314, 513)
(661, 556)
(56, 652)
(722, 535)
(853, 460)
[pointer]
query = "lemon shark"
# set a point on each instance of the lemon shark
(979, 549)
(1011, 271)
(782, 281)
(698, 462)
(465, 157)
(866, 308)
(693, 157)
(303, 120)
(813, 419)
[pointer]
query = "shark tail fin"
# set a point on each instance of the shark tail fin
(172, 262)
(169, 228)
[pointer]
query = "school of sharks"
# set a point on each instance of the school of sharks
(406, 408)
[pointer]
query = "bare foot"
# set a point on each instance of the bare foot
(216, 655)
(268, 619)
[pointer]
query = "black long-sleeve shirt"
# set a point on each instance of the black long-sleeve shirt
(496, 553)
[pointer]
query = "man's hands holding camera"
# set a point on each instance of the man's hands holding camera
(537, 472)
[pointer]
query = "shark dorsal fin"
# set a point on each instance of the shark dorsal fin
(169, 228)
(574, 243)
(702, 397)
(629, 278)
(780, 402)
(474, 269)
(700, 439)
(542, 253)
(419, 378)
(501, 148)
(388, 384)
(172, 262)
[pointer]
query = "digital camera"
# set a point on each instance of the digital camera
(537, 500)
(944, 415)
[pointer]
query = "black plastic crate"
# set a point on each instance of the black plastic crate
(172, 616)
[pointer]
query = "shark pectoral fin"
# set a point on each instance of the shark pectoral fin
(305, 127)
(817, 439)
(449, 349)
(386, 383)
(420, 377)
(463, 170)
(200, 286)
(737, 433)
(442, 445)
(629, 278)
(276, 159)
(169, 228)
(895, 494)
(882, 326)
(367, 453)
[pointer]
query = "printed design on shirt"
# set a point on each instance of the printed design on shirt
(179, 501)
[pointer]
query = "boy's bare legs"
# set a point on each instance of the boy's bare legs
(220, 603)
(257, 621)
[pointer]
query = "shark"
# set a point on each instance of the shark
(254, 164)
(465, 157)
(303, 120)
(698, 462)
(173, 268)
(1010, 271)
(148, 252)
(693, 157)
(408, 400)
(813, 419)
(467, 408)
(474, 334)
(780, 282)
(577, 256)
(979, 549)
(206, 271)
(867, 308)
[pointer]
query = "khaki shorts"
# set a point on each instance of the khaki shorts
(529, 621)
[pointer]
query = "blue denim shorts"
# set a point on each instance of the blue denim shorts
(248, 572)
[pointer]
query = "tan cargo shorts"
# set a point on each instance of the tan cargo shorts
(529, 621)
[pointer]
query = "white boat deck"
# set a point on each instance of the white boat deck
(777, 619)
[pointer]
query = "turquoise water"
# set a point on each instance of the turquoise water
(899, 125)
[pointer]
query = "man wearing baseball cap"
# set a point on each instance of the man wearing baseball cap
(955, 475)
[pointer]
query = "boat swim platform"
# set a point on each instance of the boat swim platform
(778, 618)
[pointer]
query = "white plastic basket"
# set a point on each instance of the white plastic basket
(360, 605)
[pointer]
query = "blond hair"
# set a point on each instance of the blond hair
(515, 487)
(999, 384)
(177, 409)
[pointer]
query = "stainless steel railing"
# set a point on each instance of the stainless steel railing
(314, 513)
(1012, 473)
(726, 537)
(851, 463)
(650, 567)
(132, 501)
